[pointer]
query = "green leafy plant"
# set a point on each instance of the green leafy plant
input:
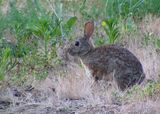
(111, 29)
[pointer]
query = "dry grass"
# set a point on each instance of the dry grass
(150, 24)
(75, 84)
(148, 55)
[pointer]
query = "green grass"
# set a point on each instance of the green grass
(36, 32)
(126, 11)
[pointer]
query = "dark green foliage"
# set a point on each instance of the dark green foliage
(4, 62)
(33, 29)
(119, 8)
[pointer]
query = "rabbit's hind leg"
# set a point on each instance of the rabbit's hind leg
(125, 81)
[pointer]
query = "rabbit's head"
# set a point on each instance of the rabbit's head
(83, 45)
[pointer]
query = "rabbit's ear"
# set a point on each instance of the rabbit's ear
(88, 29)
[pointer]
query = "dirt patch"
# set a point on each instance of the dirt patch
(25, 102)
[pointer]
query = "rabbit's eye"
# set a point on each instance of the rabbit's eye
(77, 43)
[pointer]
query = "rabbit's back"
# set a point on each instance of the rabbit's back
(113, 55)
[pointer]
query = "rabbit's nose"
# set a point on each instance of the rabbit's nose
(68, 50)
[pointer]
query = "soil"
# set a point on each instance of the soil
(18, 101)
(15, 100)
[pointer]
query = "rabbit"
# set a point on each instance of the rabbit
(107, 59)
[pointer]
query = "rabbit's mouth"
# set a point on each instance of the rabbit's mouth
(74, 52)
(70, 51)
